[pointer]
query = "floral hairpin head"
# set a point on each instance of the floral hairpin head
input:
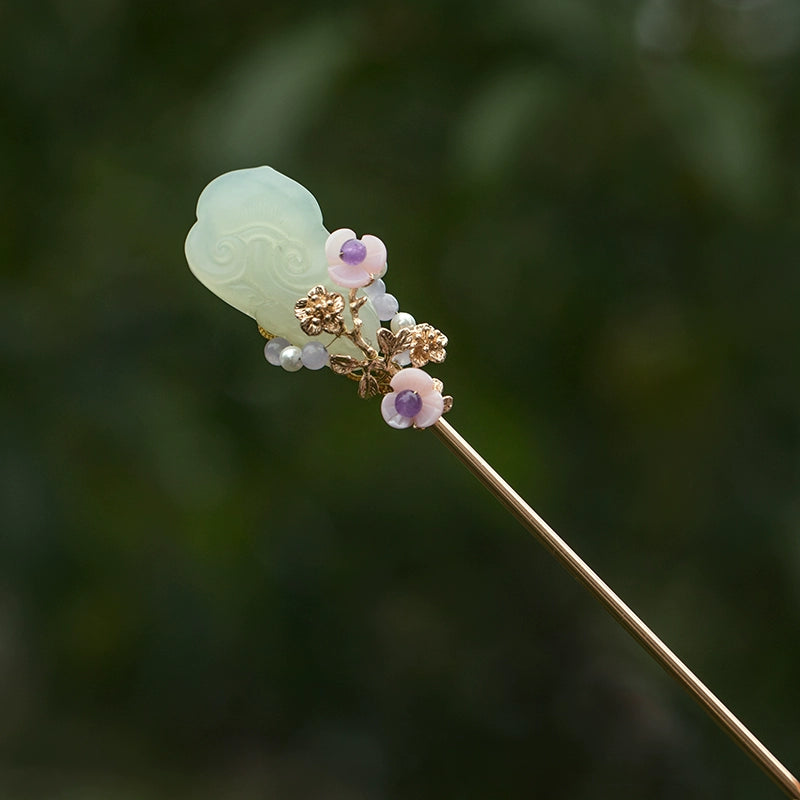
(260, 245)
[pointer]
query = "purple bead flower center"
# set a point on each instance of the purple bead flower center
(408, 403)
(353, 252)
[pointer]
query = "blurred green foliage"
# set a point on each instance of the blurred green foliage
(221, 581)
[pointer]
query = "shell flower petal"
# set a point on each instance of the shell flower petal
(375, 260)
(432, 409)
(390, 415)
(333, 246)
(343, 270)
(348, 276)
(412, 378)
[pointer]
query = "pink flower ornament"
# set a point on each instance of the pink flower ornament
(415, 400)
(354, 262)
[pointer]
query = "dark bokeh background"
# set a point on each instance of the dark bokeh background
(220, 581)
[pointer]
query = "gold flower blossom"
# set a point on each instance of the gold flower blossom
(320, 311)
(383, 362)
(426, 344)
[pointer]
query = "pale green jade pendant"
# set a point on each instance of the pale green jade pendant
(259, 245)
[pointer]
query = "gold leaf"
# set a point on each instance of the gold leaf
(448, 403)
(383, 378)
(386, 342)
(344, 365)
(402, 339)
(368, 386)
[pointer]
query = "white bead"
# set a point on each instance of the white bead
(292, 358)
(403, 359)
(402, 320)
(385, 306)
(272, 350)
(315, 356)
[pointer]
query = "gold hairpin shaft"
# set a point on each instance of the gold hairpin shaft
(617, 608)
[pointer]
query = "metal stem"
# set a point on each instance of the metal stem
(619, 610)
